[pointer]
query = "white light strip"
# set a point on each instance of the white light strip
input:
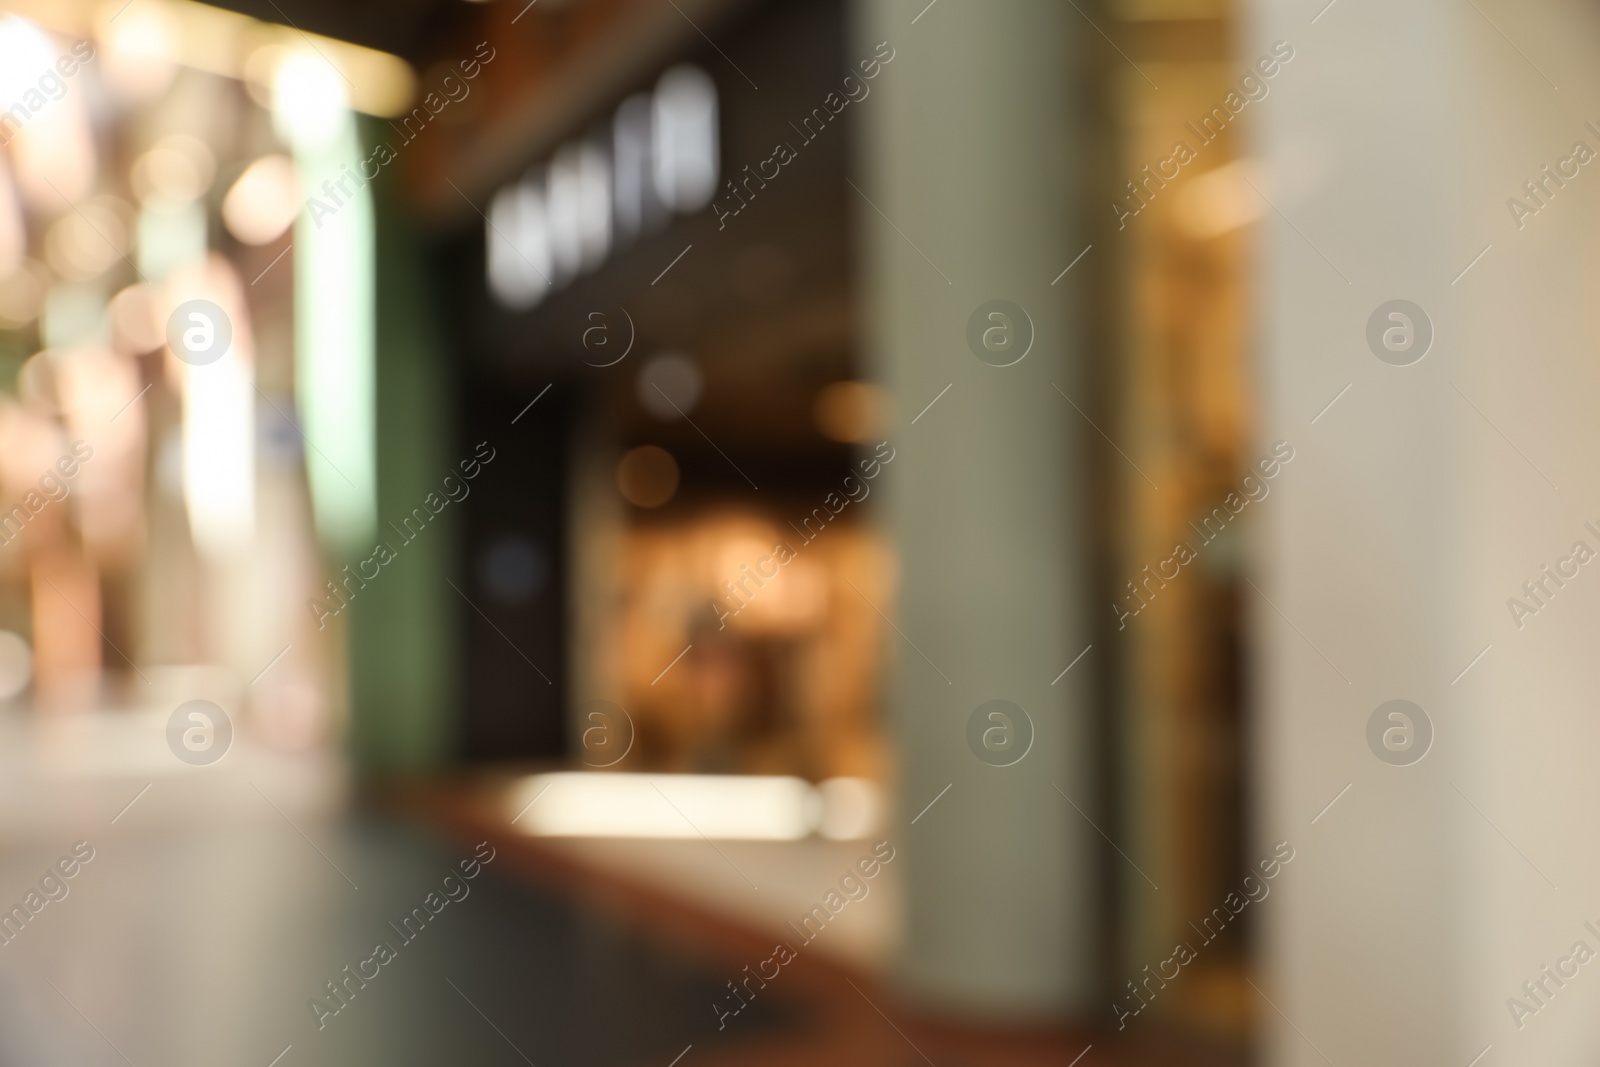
(685, 153)
(335, 316)
(690, 806)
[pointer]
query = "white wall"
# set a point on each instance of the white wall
(1408, 519)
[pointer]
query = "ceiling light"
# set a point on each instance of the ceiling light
(308, 100)
(137, 47)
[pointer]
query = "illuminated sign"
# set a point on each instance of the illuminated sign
(564, 217)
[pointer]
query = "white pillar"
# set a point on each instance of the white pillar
(964, 144)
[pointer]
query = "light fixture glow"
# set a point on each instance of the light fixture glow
(647, 476)
(25, 53)
(1221, 200)
(852, 412)
(592, 196)
(49, 135)
(694, 806)
(518, 241)
(637, 209)
(309, 106)
(137, 51)
(219, 426)
(580, 209)
(177, 168)
(335, 319)
(263, 202)
(686, 138)
(721, 807)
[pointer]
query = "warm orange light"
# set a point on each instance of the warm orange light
(647, 476)
(263, 202)
(851, 412)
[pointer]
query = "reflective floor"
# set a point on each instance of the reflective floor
(197, 914)
(204, 946)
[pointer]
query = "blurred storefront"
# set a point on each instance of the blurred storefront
(862, 462)
(580, 403)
